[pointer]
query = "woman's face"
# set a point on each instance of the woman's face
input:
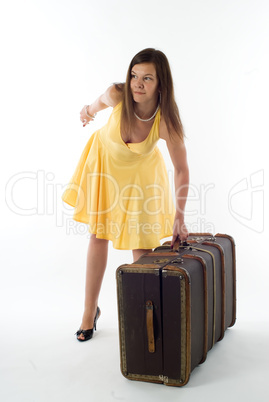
(144, 83)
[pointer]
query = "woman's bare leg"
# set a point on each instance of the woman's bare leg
(96, 266)
(138, 252)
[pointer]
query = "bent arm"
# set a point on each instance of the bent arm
(111, 97)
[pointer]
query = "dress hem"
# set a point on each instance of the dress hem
(107, 237)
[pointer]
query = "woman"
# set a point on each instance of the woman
(120, 187)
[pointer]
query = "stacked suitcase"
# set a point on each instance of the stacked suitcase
(173, 306)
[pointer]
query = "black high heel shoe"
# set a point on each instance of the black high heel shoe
(88, 333)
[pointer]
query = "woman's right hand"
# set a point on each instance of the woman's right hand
(111, 97)
(83, 116)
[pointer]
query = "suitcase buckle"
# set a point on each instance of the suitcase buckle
(198, 239)
(161, 260)
(178, 260)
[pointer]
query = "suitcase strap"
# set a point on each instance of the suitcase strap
(150, 326)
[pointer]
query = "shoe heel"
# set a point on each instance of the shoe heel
(97, 315)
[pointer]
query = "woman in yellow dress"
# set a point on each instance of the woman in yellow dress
(120, 187)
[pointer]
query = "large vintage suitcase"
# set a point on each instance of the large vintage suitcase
(173, 305)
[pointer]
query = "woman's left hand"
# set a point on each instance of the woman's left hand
(179, 230)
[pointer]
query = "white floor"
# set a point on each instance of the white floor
(42, 361)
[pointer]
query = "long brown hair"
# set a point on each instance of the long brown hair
(168, 104)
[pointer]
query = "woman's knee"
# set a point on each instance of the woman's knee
(138, 252)
(98, 242)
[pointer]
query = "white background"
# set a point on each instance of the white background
(59, 55)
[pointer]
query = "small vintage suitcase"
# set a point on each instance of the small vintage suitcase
(173, 305)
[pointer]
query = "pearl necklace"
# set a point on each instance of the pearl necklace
(139, 118)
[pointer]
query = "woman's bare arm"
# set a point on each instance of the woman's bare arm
(178, 154)
(110, 98)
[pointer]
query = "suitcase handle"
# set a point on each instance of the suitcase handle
(178, 243)
(150, 326)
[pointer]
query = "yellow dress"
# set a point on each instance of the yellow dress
(122, 190)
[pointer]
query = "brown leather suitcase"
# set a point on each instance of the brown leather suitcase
(173, 305)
